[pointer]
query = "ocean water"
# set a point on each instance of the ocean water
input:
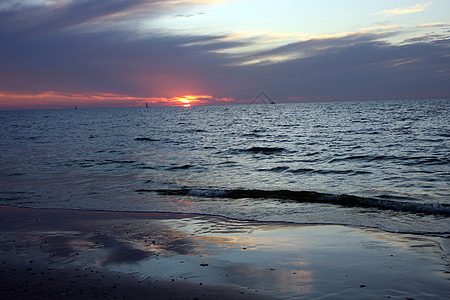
(382, 164)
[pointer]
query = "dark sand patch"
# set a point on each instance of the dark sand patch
(27, 279)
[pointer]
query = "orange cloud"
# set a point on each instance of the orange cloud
(57, 100)
(52, 99)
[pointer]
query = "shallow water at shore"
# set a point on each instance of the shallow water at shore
(285, 261)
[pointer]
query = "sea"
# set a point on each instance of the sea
(380, 164)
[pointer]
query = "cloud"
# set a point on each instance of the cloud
(57, 15)
(358, 66)
(314, 46)
(407, 10)
(81, 62)
(42, 16)
(53, 99)
(437, 25)
(111, 69)
(111, 61)
(257, 47)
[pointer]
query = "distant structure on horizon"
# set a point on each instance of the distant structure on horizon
(262, 95)
(146, 104)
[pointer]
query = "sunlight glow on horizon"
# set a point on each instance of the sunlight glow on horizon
(186, 100)
(52, 99)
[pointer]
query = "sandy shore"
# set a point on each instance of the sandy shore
(62, 254)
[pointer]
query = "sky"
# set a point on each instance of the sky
(119, 53)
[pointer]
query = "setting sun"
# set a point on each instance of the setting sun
(186, 100)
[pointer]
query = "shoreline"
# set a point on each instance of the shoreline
(186, 256)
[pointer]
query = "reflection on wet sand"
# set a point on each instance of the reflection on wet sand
(282, 259)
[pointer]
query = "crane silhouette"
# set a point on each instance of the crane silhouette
(263, 97)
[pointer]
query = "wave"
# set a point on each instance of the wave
(114, 161)
(328, 172)
(263, 150)
(400, 204)
(88, 163)
(183, 167)
(425, 160)
(254, 135)
(275, 169)
(407, 160)
(145, 139)
(256, 150)
(364, 158)
(314, 171)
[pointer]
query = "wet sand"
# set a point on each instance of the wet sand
(64, 254)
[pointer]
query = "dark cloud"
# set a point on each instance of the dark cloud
(41, 51)
(108, 61)
(361, 68)
(40, 19)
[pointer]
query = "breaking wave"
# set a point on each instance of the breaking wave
(312, 197)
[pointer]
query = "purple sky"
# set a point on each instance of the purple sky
(57, 54)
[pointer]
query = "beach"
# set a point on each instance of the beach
(224, 150)
(73, 254)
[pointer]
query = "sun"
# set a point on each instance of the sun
(186, 100)
(191, 100)
(186, 104)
